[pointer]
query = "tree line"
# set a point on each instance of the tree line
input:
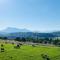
(36, 40)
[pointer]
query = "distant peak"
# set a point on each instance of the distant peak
(13, 29)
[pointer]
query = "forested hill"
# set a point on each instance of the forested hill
(14, 32)
(30, 34)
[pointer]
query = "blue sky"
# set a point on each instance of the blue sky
(35, 15)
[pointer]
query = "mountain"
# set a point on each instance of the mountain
(57, 33)
(33, 34)
(13, 30)
(12, 33)
(29, 34)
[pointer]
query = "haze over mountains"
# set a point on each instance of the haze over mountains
(12, 30)
(12, 33)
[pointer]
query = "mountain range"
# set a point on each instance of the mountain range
(13, 30)
(12, 33)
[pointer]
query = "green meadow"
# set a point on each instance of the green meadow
(28, 52)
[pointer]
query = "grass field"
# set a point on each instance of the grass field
(27, 52)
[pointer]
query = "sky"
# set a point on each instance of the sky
(35, 15)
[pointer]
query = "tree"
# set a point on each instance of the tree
(29, 39)
(23, 39)
(56, 41)
(5, 38)
(50, 41)
(17, 39)
(0, 37)
(45, 42)
(47, 39)
(41, 40)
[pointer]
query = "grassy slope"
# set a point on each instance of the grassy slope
(29, 53)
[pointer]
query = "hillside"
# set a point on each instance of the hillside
(12, 33)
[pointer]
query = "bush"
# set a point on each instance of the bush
(46, 57)
(2, 49)
(17, 46)
(33, 45)
(2, 45)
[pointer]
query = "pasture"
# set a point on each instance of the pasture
(28, 52)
